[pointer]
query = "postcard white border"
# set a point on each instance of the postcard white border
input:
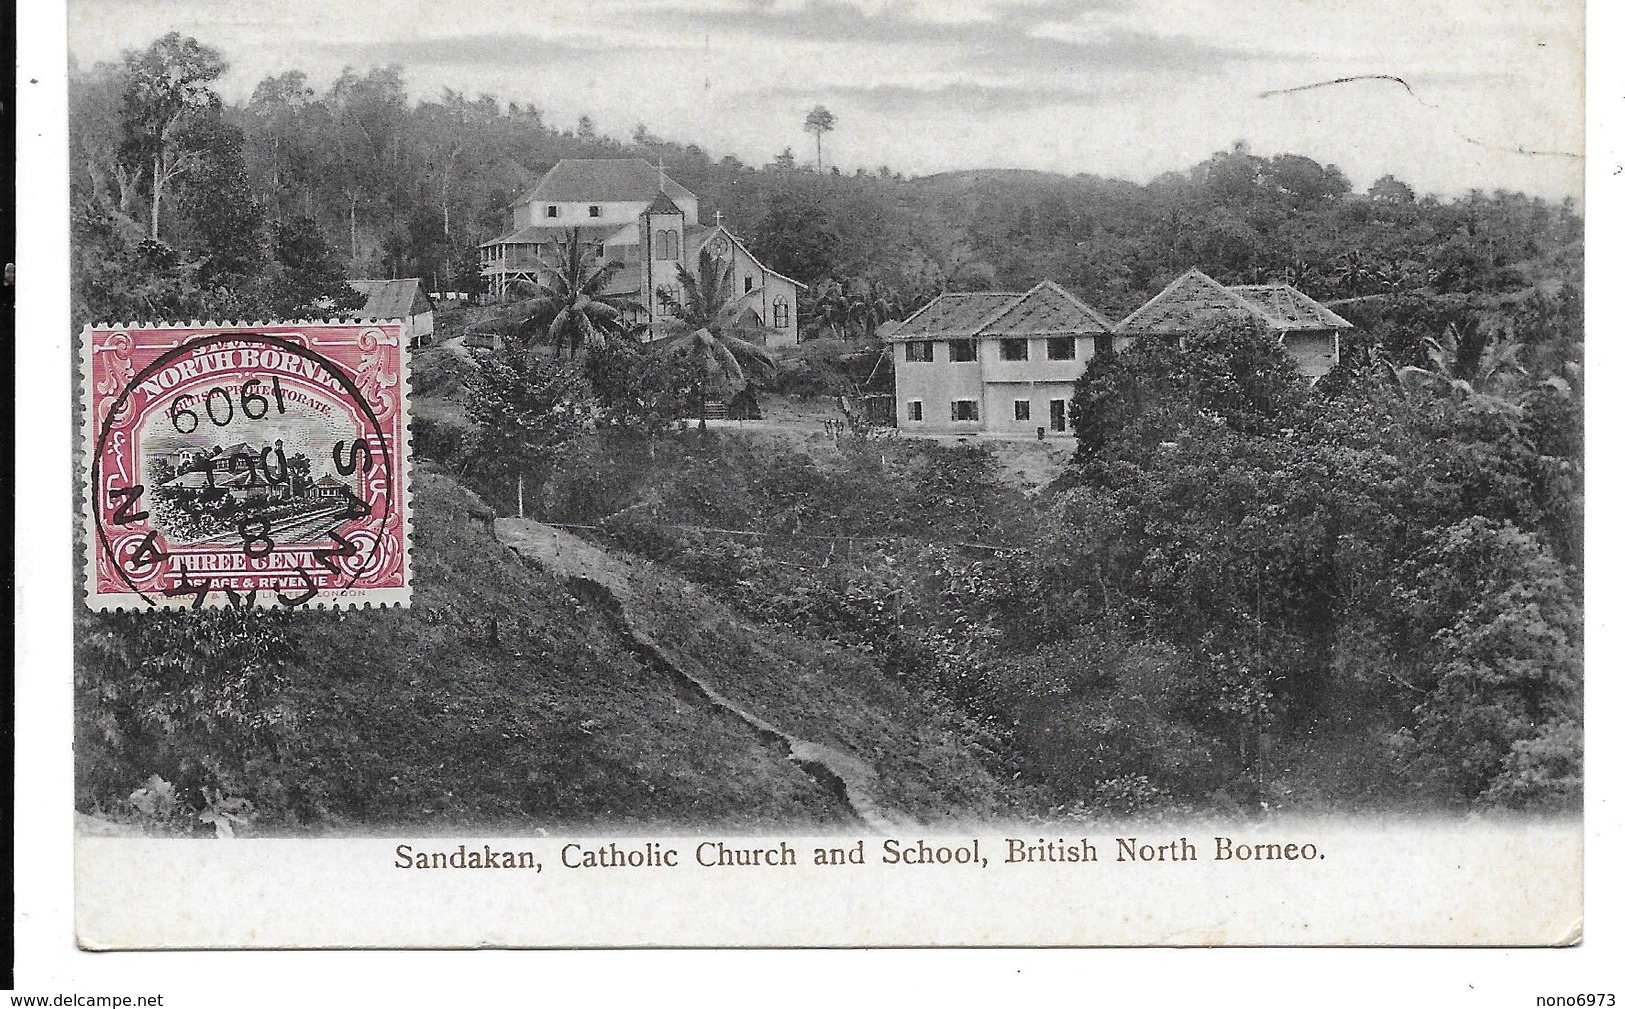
(49, 963)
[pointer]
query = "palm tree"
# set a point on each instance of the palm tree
(833, 309)
(713, 330)
(1469, 366)
(573, 311)
(819, 121)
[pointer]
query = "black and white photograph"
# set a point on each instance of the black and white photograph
(976, 444)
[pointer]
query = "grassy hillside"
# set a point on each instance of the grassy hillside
(413, 720)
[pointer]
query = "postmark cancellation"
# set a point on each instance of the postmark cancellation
(246, 464)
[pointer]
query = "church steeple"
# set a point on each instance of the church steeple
(663, 204)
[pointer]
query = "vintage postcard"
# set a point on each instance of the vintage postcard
(992, 473)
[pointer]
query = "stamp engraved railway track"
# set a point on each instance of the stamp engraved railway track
(246, 465)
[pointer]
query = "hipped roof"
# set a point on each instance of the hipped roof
(955, 314)
(607, 180)
(1046, 309)
(1194, 300)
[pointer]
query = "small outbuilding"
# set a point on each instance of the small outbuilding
(398, 299)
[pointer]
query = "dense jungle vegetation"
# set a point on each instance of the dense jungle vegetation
(1244, 593)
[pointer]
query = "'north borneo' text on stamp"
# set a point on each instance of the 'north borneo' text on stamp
(259, 465)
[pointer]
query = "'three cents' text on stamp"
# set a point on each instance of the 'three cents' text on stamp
(262, 465)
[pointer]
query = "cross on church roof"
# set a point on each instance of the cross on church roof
(718, 216)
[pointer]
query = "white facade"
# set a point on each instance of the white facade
(1001, 363)
(630, 212)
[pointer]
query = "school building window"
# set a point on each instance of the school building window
(1057, 415)
(961, 350)
(916, 410)
(965, 409)
(1024, 410)
(1104, 344)
(1013, 350)
(594, 210)
(781, 313)
(1063, 348)
(552, 210)
(918, 351)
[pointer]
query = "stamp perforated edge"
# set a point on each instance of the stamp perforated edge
(118, 602)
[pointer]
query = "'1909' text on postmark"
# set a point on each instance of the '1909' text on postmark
(259, 465)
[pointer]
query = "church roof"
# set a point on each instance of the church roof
(610, 180)
(1046, 310)
(389, 299)
(698, 238)
(662, 205)
(1194, 300)
(695, 241)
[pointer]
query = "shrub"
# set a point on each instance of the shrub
(193, 697)
(525, 411)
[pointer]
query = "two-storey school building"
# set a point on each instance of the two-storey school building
(985, 361)
(1006, 362)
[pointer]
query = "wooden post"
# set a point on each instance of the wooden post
(521, 497)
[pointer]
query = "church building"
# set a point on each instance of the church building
(630, 212)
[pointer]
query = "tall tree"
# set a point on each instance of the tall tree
(166, 88)
(365, 140)
(819, 121)
(307, 277)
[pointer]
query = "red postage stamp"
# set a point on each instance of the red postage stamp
(256, 464)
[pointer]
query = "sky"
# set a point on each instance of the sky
(1450, 95)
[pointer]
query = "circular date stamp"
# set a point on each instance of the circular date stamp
(246, 465)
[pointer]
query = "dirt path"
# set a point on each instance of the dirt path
(611, 577)
(459, 349)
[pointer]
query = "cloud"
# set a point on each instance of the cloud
(1113, 51)
(493, 49)
(1037, 12)
(1005, 40)
(960, 97)
(816, 21)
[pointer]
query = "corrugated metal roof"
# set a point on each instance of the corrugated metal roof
(390, 299)
(693, 242)
(611, 180)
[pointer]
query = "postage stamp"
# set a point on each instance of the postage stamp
(246, 465)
